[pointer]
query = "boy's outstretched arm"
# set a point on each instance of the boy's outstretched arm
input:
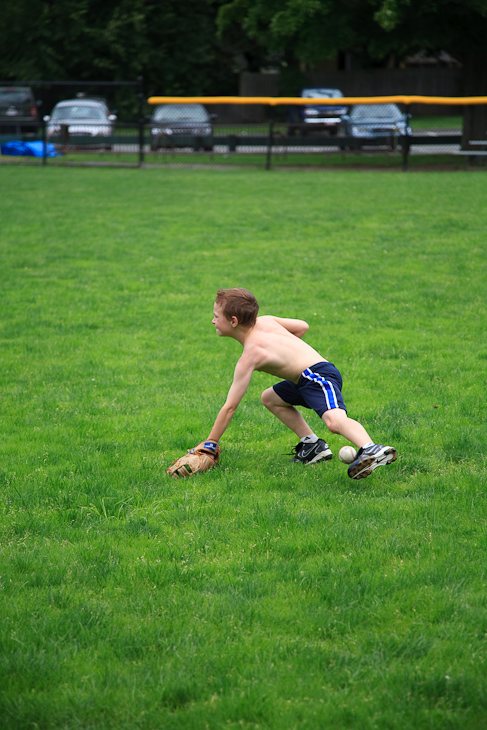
(241, 381)
(297, 327)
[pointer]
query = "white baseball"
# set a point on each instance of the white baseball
(347, 454)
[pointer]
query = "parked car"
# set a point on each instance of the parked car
(18, 110)
(81, 121)
(369, 122)
(317, 117)
(181, 125)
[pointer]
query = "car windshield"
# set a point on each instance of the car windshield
(324, 93)
(79, 112)
(363, 112)
(181, 113)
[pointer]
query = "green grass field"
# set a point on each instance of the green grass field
(280, 160)
(262, 594)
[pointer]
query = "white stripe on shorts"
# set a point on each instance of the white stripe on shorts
(326, 386)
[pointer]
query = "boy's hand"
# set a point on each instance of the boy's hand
(201, 458)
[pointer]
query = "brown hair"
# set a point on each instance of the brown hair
(239, 303)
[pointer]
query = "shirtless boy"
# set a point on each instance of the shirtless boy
(274, 345)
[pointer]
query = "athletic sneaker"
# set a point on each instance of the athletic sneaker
(311, 453)
(369, 458)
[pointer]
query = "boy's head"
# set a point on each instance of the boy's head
(239, 303)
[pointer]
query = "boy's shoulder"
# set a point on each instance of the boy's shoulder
(266, 322)
(265, 318)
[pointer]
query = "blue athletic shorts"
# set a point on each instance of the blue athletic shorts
(319, 388)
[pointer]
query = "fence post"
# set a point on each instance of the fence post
(406, 141)
(140, 95)
(270, 140)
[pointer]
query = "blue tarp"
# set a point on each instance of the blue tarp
(28, 149)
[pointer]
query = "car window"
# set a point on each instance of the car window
(181, 113)
(79, 112)
(14, 96)
(325, 93)
(375, 111)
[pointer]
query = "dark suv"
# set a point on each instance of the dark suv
(181, 125)
(18, 110)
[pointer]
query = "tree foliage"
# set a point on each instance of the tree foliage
(313, 30)
(193, 47)
(172, 44)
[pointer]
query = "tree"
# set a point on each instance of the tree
(312, 30)
(383, 32)
(172, 44)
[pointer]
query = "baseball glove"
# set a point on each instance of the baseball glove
(195, 461)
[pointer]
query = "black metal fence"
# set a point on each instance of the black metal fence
(187, 133)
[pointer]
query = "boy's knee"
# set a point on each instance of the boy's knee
(333, 419)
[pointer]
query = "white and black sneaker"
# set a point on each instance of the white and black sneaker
(369, 458)
(311, 453)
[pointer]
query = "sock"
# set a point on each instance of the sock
(311, 439)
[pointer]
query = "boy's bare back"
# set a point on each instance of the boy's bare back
(274, 346)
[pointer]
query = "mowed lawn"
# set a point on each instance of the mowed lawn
(261, 594)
